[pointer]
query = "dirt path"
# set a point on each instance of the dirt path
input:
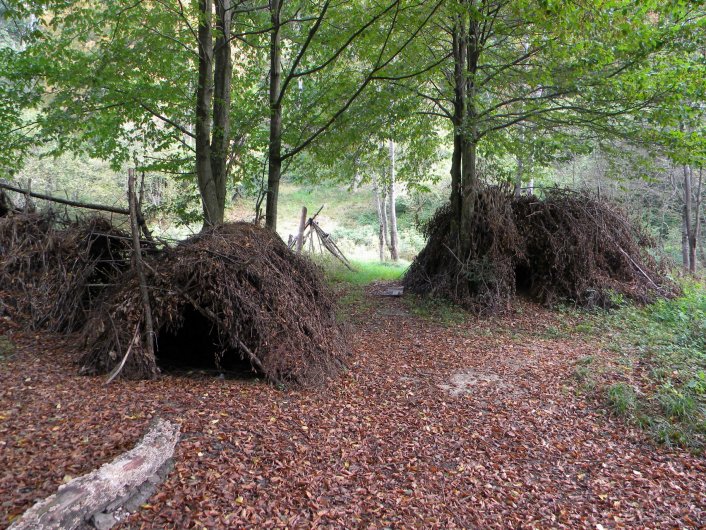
(474, 425)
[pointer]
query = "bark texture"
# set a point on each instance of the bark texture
(691, 223)
(204, 97)
(125, 483)
(275, 146)
(213, 95)
(382, 217)
(392, 193)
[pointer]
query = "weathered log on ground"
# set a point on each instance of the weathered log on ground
(98, 499)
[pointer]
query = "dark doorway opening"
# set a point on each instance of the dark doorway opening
(195, 346)
(523, 280)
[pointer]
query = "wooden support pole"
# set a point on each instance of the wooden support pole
(137, 255)
(300, 234)
(76, 204)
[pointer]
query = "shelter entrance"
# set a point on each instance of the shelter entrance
(196, 346)
(523, 280)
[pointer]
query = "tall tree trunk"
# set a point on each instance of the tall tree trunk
(684, 241)
(469, 185)
(696, 236)
(469, 190)
(275, 146)
(382, 217)
(690, 226)
(223, 68)
(702, 250)
(459, 103)
(394, 243)
(202, 131)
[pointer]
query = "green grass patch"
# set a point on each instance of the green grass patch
(621, 398)
(661, 348)
(364, 273)
(553, 332)
(584, 373)
(435, 310)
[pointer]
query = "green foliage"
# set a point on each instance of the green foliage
(667, 341)
(676, 404)
(364, 273)
(583, 372)
(621, 398)
(115, 81)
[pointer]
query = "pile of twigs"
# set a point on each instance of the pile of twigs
(568, 246)
(255, 299)
(51, 271)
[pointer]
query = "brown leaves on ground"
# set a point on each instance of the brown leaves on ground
(476, 425)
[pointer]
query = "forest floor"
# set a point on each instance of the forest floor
(436, 424)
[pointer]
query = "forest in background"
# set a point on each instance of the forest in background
(618, 111)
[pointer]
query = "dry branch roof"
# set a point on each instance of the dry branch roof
(50, 271)
(265, 304)
(568, 246)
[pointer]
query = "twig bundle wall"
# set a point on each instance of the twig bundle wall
(568, 246)
(260, 301)
(51, 272)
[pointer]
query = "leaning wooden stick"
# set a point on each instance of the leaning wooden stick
(119, 368)
(138, 264)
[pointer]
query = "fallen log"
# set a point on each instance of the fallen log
(98, 499)
(68, 202)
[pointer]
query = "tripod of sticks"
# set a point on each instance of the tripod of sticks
(310, 230)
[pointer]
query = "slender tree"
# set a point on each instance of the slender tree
(370, 36)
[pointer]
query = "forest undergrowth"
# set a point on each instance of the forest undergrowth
(653, 371)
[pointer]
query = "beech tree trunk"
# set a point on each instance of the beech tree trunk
(694, 243)
(380, 201)
(213, 96)
(459, 55)
(202, 131)
(692, 220)
(684, 241)
(223, 69)
(275, 146)
(466, 51)
(518, 176)
(392, 193)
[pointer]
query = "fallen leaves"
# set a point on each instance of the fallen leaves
(383, 445)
